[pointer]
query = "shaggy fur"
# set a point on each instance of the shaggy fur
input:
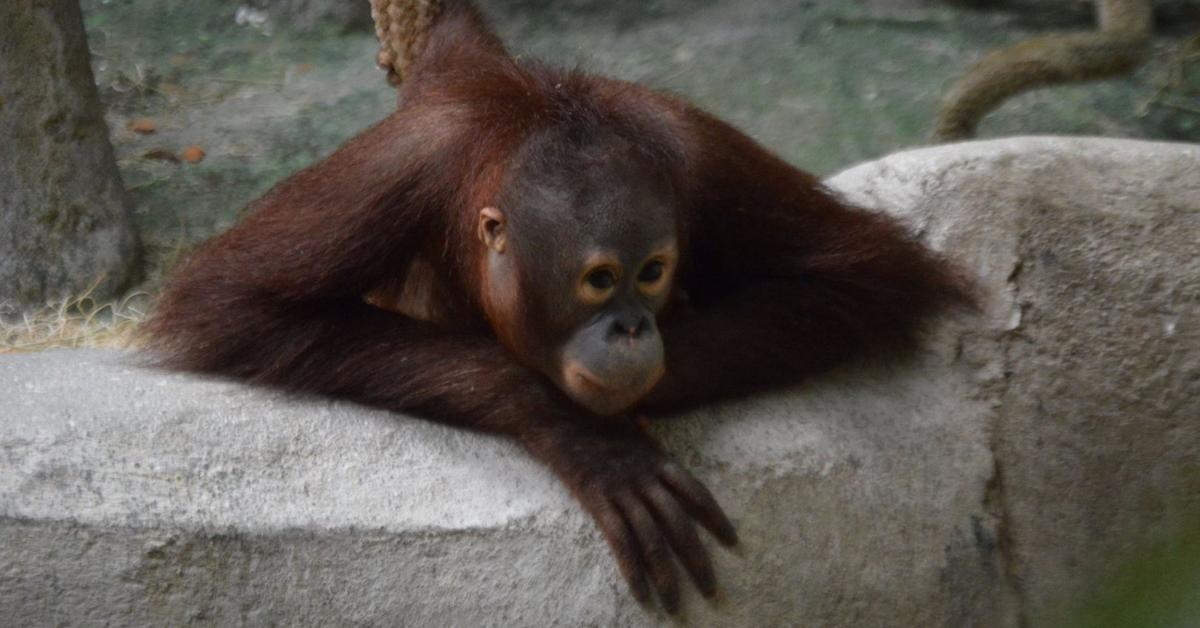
(778, 279)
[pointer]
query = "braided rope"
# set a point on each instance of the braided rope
(402, 27)
(1119, 47)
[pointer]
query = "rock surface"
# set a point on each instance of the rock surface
(973, 484)
(65, 223)
(138, 497)
(1090, 250)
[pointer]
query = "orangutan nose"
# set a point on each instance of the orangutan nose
(632, 326)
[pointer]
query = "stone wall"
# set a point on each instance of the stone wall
(984, 482)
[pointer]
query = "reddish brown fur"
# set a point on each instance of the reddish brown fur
(779, 279)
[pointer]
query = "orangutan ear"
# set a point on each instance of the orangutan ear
(492, 229)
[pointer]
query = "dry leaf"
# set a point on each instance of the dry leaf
(144, 126)
(161, 154)
(193, 154)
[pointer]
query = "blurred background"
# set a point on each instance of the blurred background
(260, 88)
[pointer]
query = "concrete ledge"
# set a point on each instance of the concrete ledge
(139, 497)
(870, 497)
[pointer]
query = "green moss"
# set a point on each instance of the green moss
(1159, 587)
(48, 218)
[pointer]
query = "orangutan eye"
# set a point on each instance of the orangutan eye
(651, 272)
(601, 279)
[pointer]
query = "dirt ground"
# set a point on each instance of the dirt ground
(826, 83)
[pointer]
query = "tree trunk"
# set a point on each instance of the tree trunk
(65, 221)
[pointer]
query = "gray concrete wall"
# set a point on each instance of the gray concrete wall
(918, 493)
(1091, 252)
(141, 497)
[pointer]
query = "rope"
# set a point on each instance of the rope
(402, 27)
(1117, 48)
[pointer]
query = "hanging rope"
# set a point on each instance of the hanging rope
(402, 27)
(1117, 48)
